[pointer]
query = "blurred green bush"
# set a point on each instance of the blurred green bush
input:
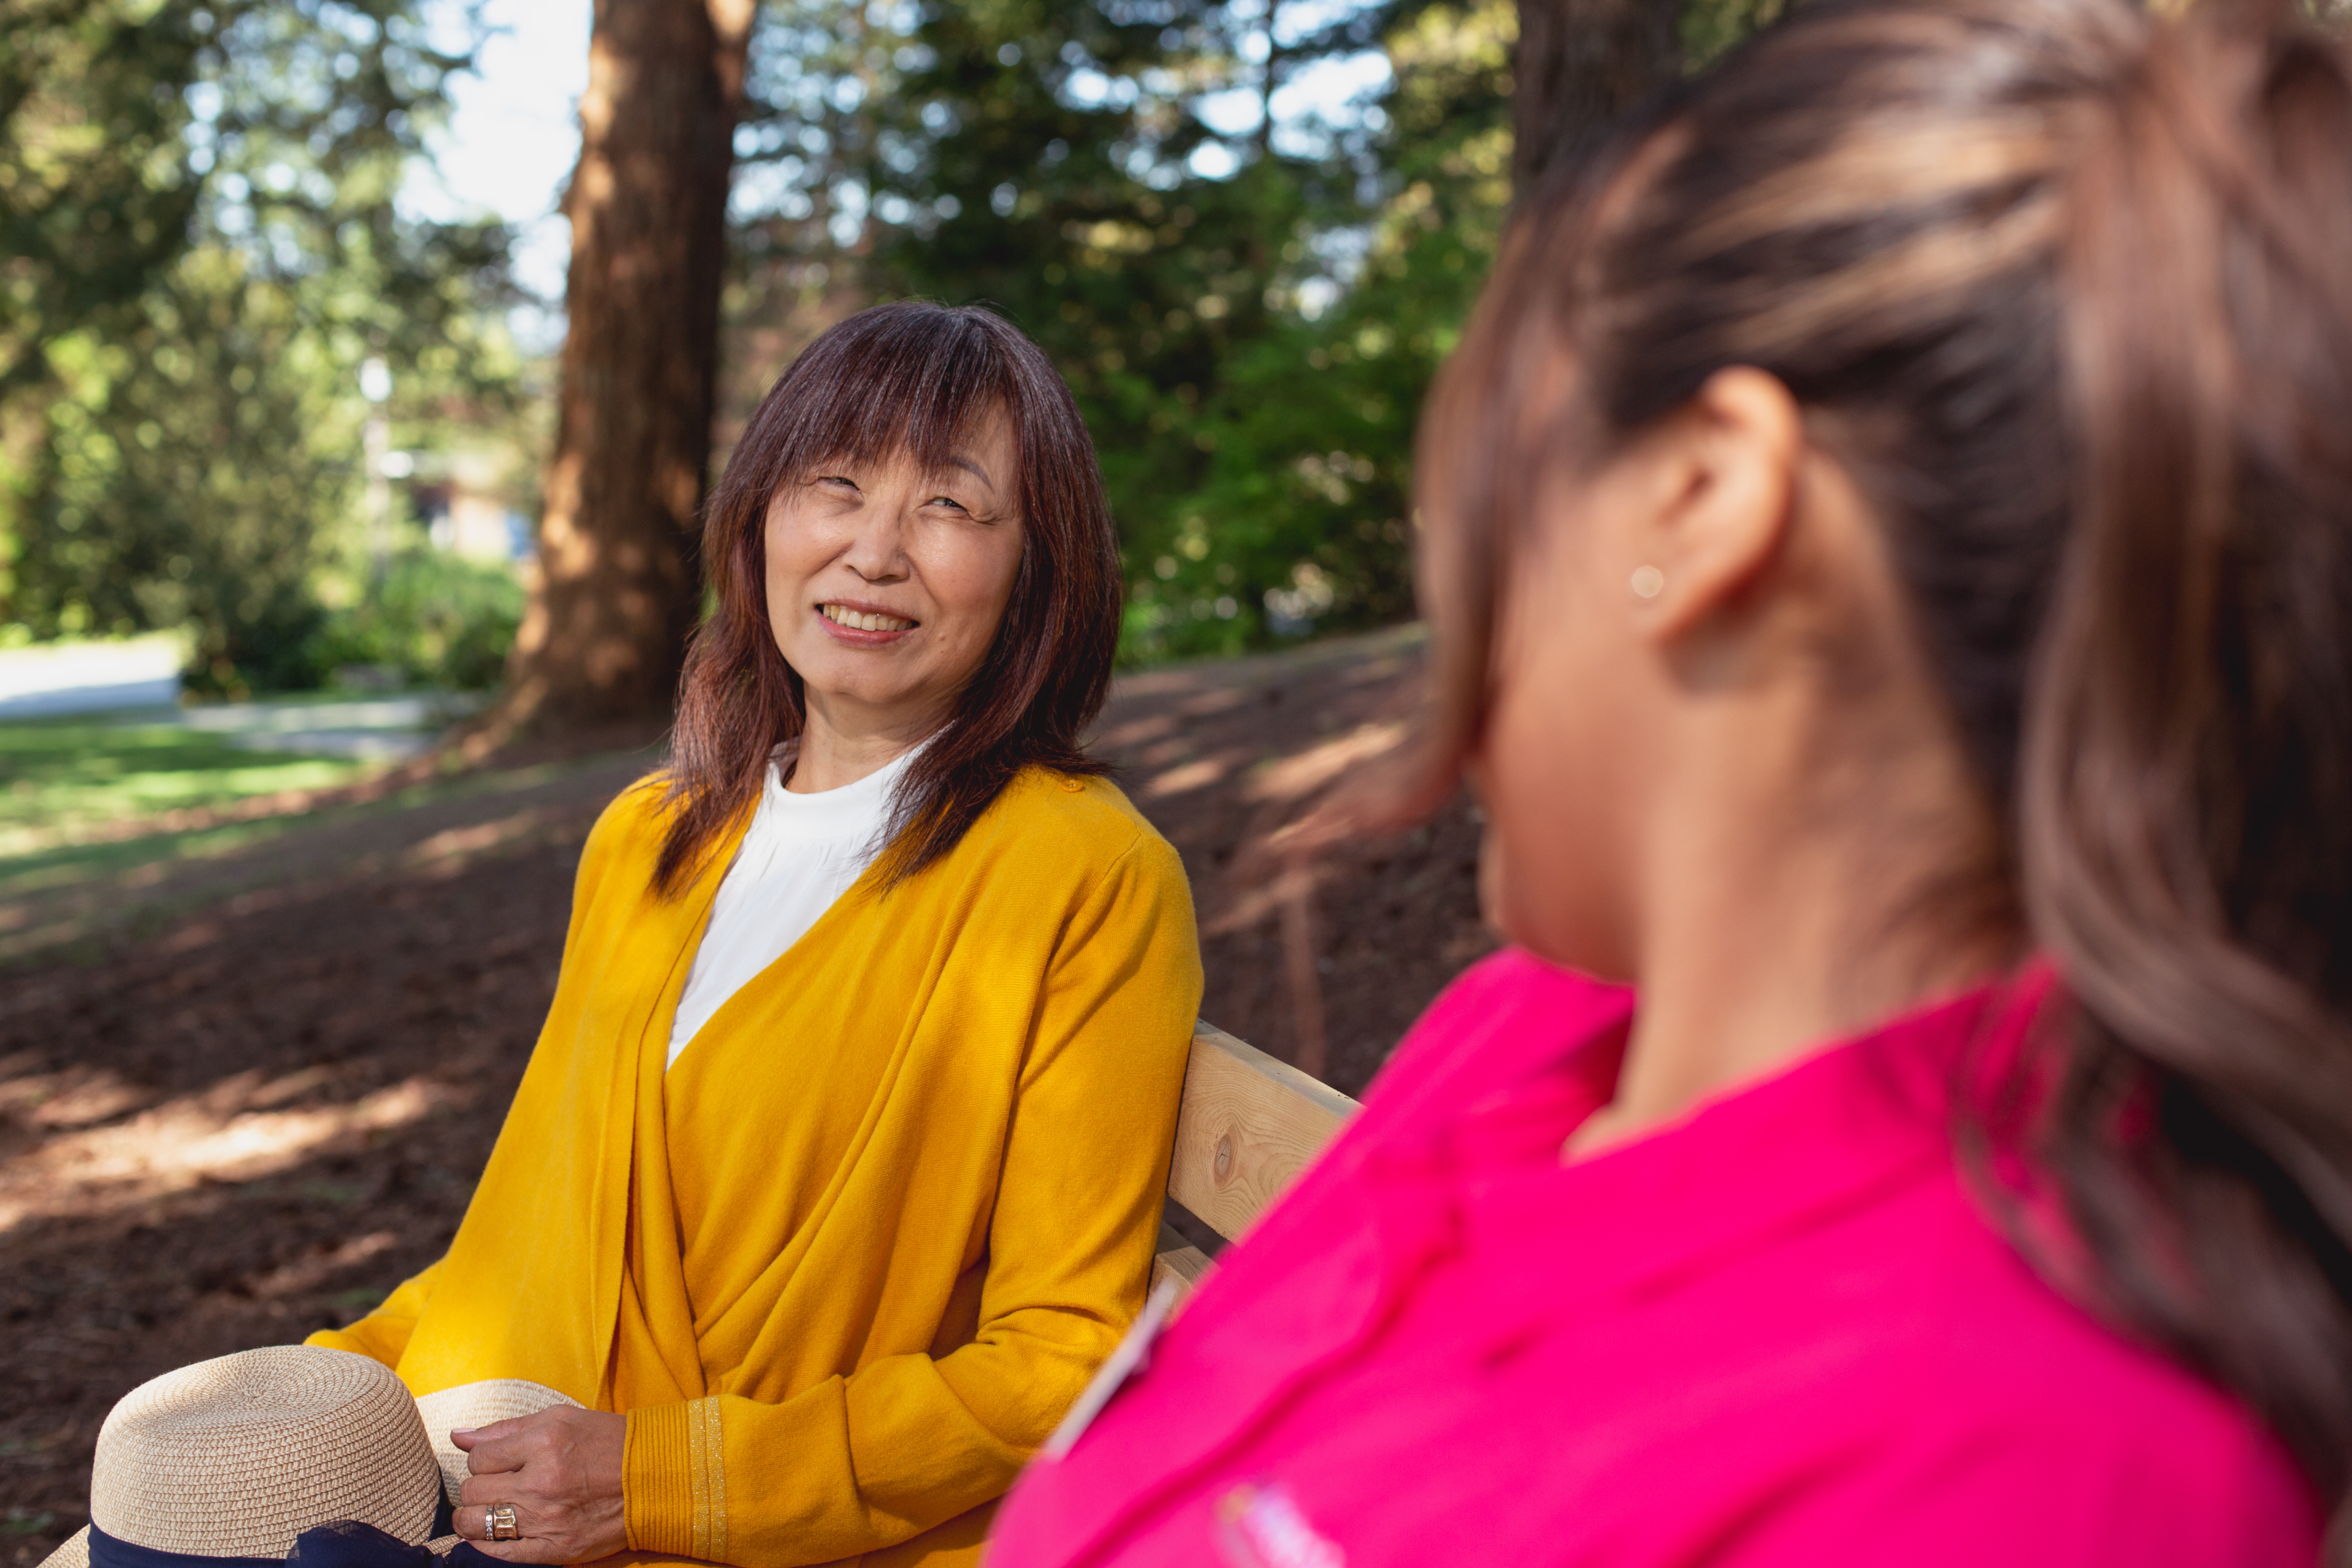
(440, 620)
(201, 248)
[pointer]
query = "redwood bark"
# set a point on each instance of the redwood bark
(1579, 65)
(619, 589)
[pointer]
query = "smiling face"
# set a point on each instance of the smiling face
(886, 583)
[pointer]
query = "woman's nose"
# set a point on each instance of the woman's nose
(877, 551)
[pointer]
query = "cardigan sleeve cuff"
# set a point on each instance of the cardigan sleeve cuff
(674, 1482)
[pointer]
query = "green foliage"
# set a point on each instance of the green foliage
(182, 411)
(1081, 220)
(119, 119)
(1711, 28)
(440, 619)
(1303, 515)
(174, 489)
(96, 190)
(1248, 315)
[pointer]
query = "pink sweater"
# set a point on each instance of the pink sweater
(1780, 1332)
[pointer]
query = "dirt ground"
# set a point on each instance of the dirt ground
(249, 1116)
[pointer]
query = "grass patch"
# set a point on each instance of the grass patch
(69, 902)
(92, 852)
(61, 778)
(67, 865)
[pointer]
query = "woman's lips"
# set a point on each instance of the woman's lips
(861, 628)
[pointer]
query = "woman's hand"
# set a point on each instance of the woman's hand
(559, 1471)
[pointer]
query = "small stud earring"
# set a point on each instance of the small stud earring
(1648, 582)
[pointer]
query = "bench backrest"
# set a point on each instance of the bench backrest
(1247, 1126)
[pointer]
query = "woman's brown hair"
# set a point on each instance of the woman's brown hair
(2064, 285)
(911, 378)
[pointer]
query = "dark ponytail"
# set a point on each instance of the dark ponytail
(2187, 793)
(2068, 290)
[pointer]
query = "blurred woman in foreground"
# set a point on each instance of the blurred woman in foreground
(1889, 542)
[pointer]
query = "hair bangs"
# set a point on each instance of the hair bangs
(912, 386)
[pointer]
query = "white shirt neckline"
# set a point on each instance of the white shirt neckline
(800, 855)
(827, 814)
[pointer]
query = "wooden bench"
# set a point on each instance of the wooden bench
(1247, 1126)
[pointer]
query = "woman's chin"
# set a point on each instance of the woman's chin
(871, 691)
(867, 670)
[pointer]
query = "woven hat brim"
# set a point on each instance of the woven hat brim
(442, 1545)
(74, 1554)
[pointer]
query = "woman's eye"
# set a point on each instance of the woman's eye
(945, 500)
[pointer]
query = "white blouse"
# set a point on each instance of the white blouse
(801, 853)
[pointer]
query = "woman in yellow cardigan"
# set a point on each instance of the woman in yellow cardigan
(836, 1170)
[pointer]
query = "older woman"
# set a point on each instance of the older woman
(836, 1169)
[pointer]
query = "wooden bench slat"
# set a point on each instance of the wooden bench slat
(1188, 1264)
(1248, 1125)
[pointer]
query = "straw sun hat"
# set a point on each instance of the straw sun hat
(477, 1405)
(233, 1459)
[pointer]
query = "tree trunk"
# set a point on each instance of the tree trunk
(1577, 66)
(618, 591)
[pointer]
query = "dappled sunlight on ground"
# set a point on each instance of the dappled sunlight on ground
(251, 1123)
(1320, 766)
(1330, 951)
(96, 1160)
(73, 895)
(1186, 776)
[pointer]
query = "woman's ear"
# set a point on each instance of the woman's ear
(1722, 486)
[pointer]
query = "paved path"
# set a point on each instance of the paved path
(54, 679)
(138, 681)
(370, 729)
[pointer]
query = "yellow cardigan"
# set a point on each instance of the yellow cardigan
(845, 1264)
